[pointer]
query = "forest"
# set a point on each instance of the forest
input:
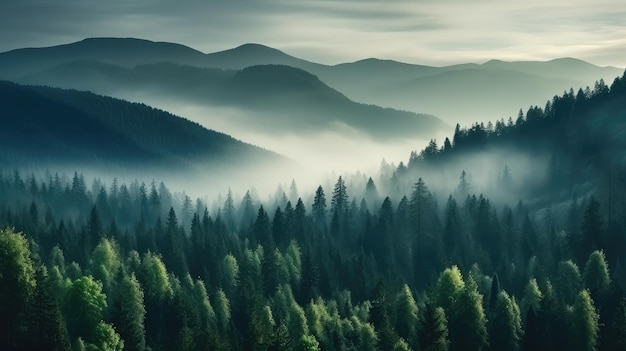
(381, 262)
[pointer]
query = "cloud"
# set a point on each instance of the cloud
(423, 31)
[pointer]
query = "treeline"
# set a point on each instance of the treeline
(45, 126)
(137, 267)
(578, 128)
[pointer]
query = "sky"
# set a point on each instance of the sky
(434, 32)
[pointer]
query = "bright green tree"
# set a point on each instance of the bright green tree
(17, 283)
(84, 306)
(596, 274)
(469, 319)
(448, 288)
(407, 316)
(532, 297)
(585, 322)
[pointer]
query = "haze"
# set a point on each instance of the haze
(426, 32)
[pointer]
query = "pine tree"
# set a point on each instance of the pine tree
(585, 322)
(433, 335)
(45, 324)
(319, 207)
(506, 325)
(17, 283)
(407, 316)
(228, 211)
(591, 231)
(596, 275)
(339, 202)
(128, 313)
(470, 330)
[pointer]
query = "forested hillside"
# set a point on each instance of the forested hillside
(46, 127)
(277, 98)
(370, 263)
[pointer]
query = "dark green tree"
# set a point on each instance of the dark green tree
(433, 334)
(340, 202)
(506, 324)
(128, 313)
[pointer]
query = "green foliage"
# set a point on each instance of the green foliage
(128, 313)
(470, 322)
(17, 282)
(153, 278)
(433, 334)
(585, 323)
(45, 324)
(230, 270)
(262, 327)
(596, 274)
(401, 345)
(506, 324)
(407, 316)
(569, 281)
(105, 263)
(532, 297)
(222, 311)
(106, 338)
(448, 288)
(84, 306)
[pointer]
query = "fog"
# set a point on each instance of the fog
(319, 158)
(339, 149)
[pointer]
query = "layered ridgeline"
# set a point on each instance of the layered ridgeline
(273, 98)
(277, 97)
(50, 127)
(480, 92)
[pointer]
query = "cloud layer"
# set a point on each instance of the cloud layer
(332, 31)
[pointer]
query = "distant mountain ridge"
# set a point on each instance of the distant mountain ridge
(410, 87)
(278, 98)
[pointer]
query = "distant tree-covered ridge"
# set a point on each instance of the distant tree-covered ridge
(50, 127)
(285, 98)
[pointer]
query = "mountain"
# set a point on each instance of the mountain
(125, 52)
(276, 98)
(49, 127)
(409, 87)
(480, 92)
(254, 55)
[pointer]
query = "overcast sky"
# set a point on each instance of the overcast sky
(436, 32)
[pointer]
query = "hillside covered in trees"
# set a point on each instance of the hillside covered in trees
(48, 127)
(368, 263)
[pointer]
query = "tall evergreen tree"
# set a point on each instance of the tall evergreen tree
(319, 207)
(433, 335)
(128, 313)
(506, 324)
(339, 202)
(585, 322)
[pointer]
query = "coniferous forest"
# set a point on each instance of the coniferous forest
(390, 261)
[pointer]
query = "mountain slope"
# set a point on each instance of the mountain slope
(278, 98)
(577, 142)
(48, 126)
(410, 87)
